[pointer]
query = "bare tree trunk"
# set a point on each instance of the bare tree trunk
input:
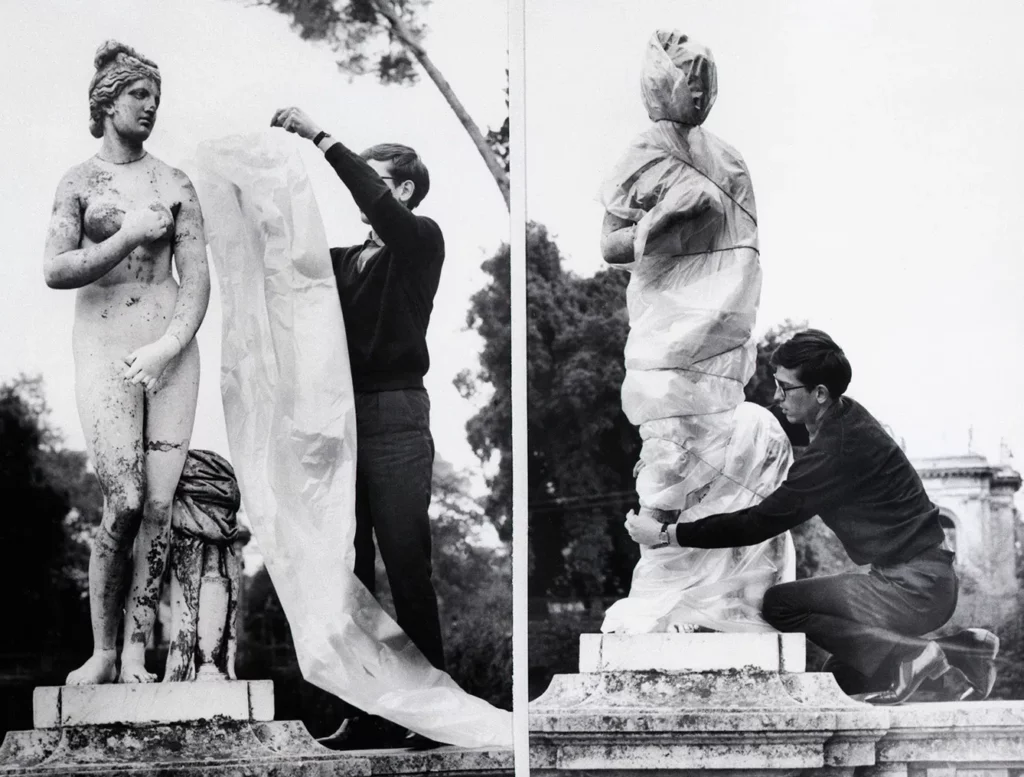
(385, 9)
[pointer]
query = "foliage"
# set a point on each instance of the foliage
(42, 572)
(47, 494)
(359, 35)
(489, 431)
(581, 447)
(1010, 677)
(473, 580)
(385, 38)
(498, 139)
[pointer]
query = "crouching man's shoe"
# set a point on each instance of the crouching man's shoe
(973, 652)
(927, 664)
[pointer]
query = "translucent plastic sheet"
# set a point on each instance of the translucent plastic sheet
(692, 297)
(718, 464)
(290, 419)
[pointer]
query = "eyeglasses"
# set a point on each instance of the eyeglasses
(786, 389)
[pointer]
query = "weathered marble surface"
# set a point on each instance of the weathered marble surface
(224, 748)
(733, 721)
(702, 652)
(82, 705)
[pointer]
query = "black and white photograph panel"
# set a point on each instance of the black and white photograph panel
(254, 386)
(773, 281)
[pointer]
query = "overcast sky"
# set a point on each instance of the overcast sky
(226, 67)
(884, 144)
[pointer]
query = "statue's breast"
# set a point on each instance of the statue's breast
(101, 220)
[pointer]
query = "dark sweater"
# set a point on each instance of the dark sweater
(387, 304)
(855, 476)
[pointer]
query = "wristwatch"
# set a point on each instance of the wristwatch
(663, 536)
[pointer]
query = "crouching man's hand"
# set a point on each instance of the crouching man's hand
(646, 528)
(295, 120)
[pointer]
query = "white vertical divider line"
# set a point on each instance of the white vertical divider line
(517, 280)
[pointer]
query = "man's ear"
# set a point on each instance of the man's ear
(821, 394)
(408, 188)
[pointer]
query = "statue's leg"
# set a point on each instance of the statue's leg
(170, 411)
(186, 560)
(111, 412)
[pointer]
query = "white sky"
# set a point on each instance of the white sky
(225, 69)
(884, 143)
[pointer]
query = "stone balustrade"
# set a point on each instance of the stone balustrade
(732, 704)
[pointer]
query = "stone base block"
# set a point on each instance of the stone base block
(223, 748)
(96, 705)
(736, 720)
(692, 652)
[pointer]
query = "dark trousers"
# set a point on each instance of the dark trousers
(868, 621)
(395, 459)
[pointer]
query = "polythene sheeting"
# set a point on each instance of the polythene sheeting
(290, 418)
(736, 467)
(692, 299)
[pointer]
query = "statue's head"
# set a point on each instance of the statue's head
(402, 170)
(679, 81)
(126, 89)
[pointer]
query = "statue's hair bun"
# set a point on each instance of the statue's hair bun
(111, 49)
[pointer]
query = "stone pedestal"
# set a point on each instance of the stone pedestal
(732, 704)
(698, 702)
(224, 729)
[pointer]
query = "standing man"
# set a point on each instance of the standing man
(858, 480)
(386, 287)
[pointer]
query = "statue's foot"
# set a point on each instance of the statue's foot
(100, 668)
(133, 670)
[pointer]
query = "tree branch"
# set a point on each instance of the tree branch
(402, 32)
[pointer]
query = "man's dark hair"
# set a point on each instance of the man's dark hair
(816, 359)
(406, 165)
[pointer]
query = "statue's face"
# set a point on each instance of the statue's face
(133, 113)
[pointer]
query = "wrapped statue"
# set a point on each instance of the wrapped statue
(119, 220)
(680, 216)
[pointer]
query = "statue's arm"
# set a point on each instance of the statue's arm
(66, 265)
(617, 239)
(190, 261)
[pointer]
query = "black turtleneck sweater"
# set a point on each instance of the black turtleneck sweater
(387, 303)
(853, 475)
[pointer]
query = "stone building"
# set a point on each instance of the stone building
(981, 522)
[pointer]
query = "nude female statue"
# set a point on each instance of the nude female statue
(118, 220)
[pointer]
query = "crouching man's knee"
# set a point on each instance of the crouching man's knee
(775, 608)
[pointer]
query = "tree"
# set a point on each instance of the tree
(489, 432)
(385, 37)
(581, 447)
(43, 561)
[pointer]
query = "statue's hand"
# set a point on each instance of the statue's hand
(144, 225)
(146, 364)
(295, 120)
